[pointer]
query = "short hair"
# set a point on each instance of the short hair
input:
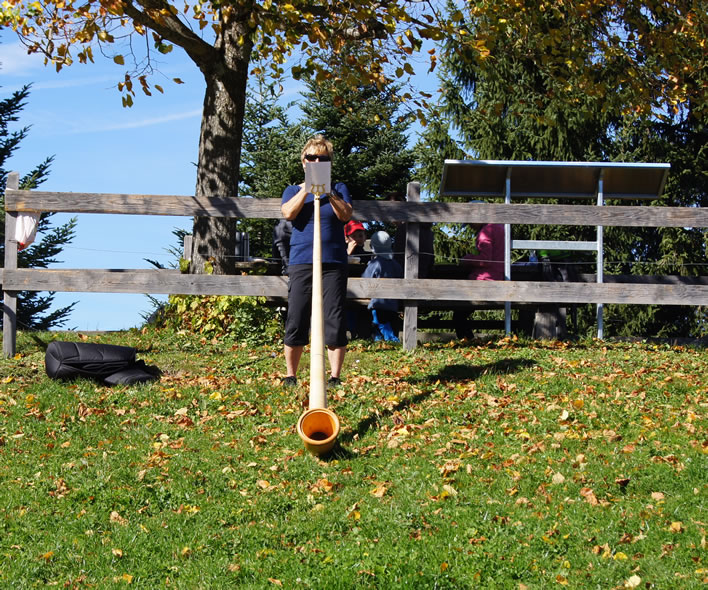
(319, 144)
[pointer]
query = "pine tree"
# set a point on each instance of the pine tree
(368, 133)
(33, 308)
(369, 137)
(269, 159)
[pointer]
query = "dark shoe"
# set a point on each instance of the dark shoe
(289, 381)
(334, 382)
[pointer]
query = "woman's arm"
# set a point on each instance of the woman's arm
(341, 208)
(291, 208)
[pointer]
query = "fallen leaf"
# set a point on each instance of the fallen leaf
(633, 582)
(118, 519)
(558, 478)
(657, 496)
(589, 496)
(379, 491)
(676, 527)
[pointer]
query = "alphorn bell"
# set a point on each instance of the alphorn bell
(318, 427)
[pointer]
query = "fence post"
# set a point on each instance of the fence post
(412, 261)
(9, 311)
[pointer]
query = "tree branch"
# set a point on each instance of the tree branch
(170, 27)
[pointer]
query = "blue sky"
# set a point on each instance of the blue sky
(99, 146)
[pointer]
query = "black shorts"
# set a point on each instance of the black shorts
(334, 294)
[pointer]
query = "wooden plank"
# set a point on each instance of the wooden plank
(128, 204)
(645, 279)
(521, 213)
(9, 308)
(144, 281)
(172, 282)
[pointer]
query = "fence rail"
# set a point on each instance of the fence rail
(411, 290)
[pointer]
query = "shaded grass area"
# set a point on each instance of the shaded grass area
(501, 464)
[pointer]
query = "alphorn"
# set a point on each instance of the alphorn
(318, 427)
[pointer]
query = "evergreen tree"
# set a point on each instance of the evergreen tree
(368, 133)
(33, 308)
(523, 106)
(270, 157)
(369, 139)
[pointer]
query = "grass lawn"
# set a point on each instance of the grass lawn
(500, 464)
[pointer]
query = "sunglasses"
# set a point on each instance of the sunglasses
(316, 157)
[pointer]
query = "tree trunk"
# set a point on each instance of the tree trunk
(220, 147)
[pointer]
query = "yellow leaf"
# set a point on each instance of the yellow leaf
(263, 484)
(275, 581)
(119, 60)
(117, 552)
(676, 527)
(47, 556)
(619, 556)
(450, 490)
(443, 566)
(379, 491)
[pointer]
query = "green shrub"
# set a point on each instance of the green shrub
(245, 319)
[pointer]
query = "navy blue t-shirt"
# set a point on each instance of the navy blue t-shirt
(334, 247)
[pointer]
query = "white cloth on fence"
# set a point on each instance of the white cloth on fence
(26, 229)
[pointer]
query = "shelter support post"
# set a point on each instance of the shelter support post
(600, 254)
(507, 253)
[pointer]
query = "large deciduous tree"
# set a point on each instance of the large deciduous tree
(221, 38)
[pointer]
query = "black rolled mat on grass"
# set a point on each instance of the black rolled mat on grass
(110, 364)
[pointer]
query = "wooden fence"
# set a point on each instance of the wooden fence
(410, 290)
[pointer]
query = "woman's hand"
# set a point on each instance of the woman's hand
(341, 208)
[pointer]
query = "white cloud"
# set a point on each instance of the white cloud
(14, 60)
(148, 122)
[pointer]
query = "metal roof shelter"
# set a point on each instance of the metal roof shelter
(488, 178)
(516, 179)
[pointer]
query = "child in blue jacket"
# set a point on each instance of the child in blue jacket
(382, 265)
